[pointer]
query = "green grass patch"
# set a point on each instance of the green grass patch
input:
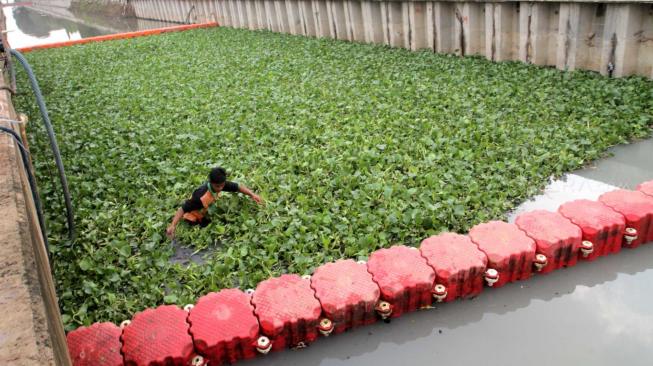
(354, 147)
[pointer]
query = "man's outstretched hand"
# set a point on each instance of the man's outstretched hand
(170, 232)
(257, 198)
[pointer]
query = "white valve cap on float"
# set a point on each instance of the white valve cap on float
(630, 235)
(325, 327)
(361, 262)
(384, 309)
(491, 276)
(439, 292)
(197, 361)
(540, 261)
(249, 291)
(306, 277)
(125, 323)
(188, 307)
(586, 247)
(263, 345)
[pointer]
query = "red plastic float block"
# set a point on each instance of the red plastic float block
(646, 188)
(287, 310)
(458, 263)
(224, 327)
(510, 252)
(558, 240)
(603, 228)
(405, 280)
(637, 209)
(347, 293)
(158, 337)
(96, 345)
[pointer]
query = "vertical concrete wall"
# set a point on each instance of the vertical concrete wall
(611, 37)
(108, 7)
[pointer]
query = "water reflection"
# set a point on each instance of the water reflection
(29, 26)
(37, 24)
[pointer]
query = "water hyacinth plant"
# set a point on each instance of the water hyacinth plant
(354, 147)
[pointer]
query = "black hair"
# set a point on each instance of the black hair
(218, 175)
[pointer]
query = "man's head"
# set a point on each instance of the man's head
(217, 178)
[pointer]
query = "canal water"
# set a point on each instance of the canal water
(30, 26)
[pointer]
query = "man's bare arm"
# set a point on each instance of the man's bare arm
(244, 190)
(170, 231)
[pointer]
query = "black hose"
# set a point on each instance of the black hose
(32, 185)
(52, 138)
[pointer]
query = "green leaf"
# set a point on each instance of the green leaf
(170, 299)
(85, 264)
(124, 249)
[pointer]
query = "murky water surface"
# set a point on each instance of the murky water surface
(28, 26)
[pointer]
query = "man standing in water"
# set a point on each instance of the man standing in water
(195, 209)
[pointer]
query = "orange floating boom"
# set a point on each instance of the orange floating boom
(111, 37)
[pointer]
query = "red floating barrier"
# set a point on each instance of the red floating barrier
(287, 310)
(646, 188)
(458, 263)
(558, 240)
(96, 345)
(158, 337)
(637, 209)
(405, 280)
(347, 293)
(510, 252)
(224, 327)
(603, 228)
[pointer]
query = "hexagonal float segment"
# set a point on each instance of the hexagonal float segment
(458, 263)
(224, 327)
(96, 345)
(637, 209)
(510, 252)
(602, 227)
(347, 293)
(404, 277)
(557, 238)
(288, 311)
(157, 337)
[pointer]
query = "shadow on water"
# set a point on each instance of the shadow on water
(184, 254)
(445, 318)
